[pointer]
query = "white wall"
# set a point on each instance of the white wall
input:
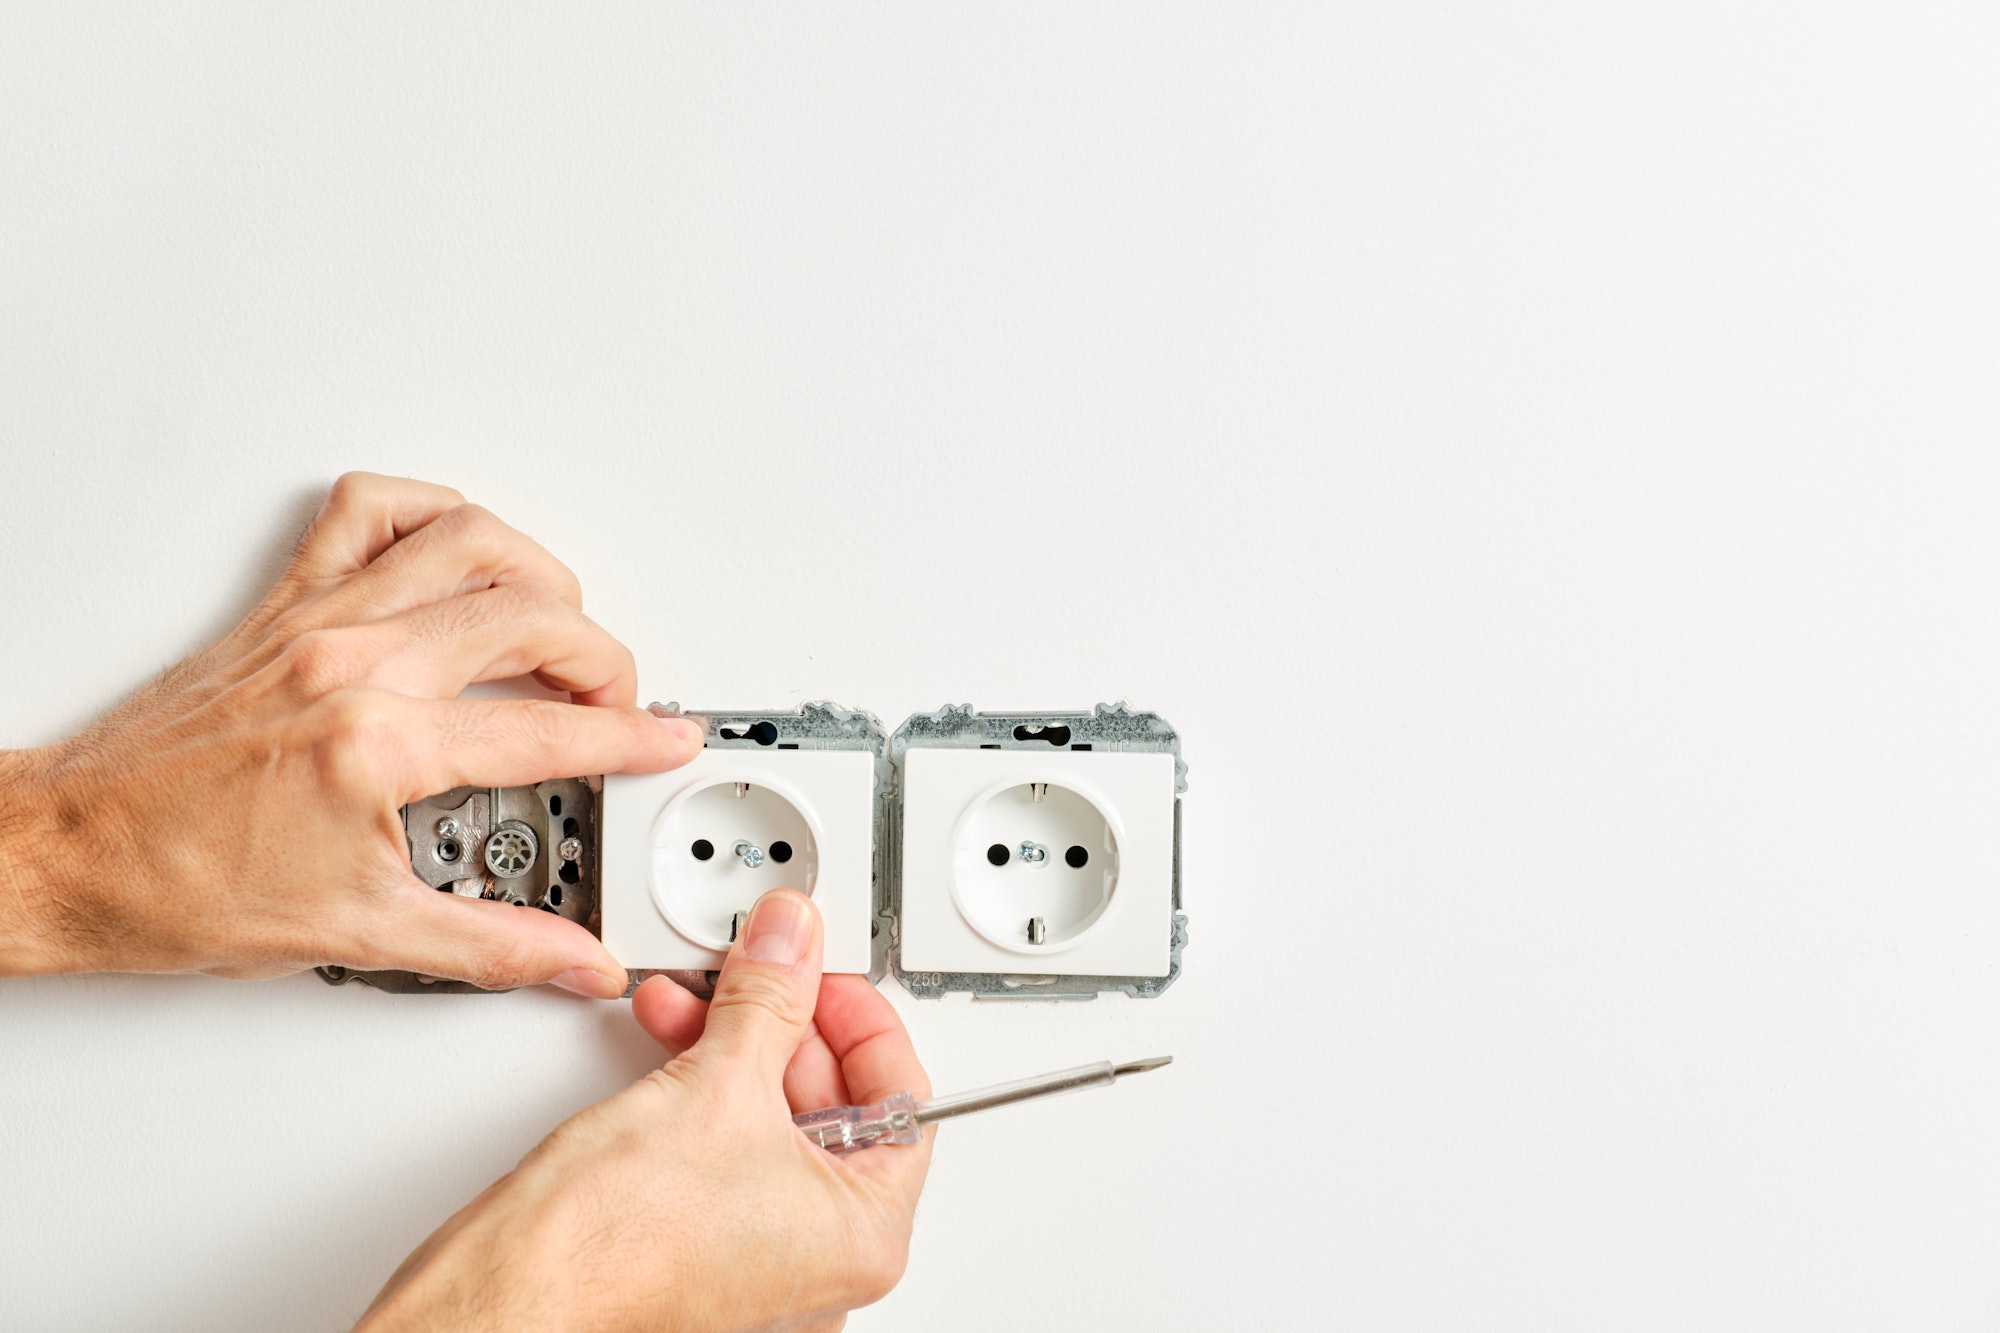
(1543, 459)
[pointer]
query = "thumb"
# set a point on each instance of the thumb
(764, 998)
(494, 945)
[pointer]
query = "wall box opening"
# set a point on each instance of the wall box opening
(1008, 855)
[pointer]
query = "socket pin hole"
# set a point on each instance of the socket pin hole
(1053, 735)
(1077, 857)
(781, 852)
(998, 853)
(702, 849)
(447, 851)
(569, 874)
(555, 805)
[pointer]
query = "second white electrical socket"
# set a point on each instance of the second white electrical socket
(1037, 862)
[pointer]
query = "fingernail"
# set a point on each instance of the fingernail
(780, 924)
(685, 729)
(588, 983)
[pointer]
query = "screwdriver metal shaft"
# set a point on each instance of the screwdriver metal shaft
(900, 1118)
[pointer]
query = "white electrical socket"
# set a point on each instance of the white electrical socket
(1037, 862)
(689, 849)
(1036, 855)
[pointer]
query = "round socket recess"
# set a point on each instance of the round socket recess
(1034, 865)
(720, 846)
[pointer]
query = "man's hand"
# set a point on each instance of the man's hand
(690, 1200)
(239, 815)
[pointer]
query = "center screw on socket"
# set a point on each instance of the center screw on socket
(1034, 853)
(752, 856)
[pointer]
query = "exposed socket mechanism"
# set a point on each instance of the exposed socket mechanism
(1009, 855)
(533, 847)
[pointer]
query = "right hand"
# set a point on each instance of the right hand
(690, 1200)
(239, 815)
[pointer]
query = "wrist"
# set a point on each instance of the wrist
(34, 870)
(457, 1279)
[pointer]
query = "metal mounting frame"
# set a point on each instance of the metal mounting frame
(810, 726)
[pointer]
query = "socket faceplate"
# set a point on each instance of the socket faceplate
(963, 777)
(811, 780)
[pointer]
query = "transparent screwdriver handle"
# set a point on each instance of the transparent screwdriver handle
(900, 1119)
(845, 1129)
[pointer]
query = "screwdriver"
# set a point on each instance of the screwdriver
(900, 1118)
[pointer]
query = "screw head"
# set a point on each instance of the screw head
(447, 827)
(752, 856)
(570, 848)
(1034, 853)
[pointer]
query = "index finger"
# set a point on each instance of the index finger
(866, 1035)
(863, 1031)
(519, 742)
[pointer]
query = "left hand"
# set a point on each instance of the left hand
(239, 815)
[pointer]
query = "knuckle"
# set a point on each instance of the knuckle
(499, 967)
(354, 493)
(351, 486)
(348, 502)
(525, 602)
(875, 1270)
(474, 522)
(474, 535)
(462, 729)
(765, 996)
(316, 662)
(557, 727)
(353, 736)
(568, 586)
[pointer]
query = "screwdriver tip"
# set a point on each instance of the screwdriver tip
(1141, 1066)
